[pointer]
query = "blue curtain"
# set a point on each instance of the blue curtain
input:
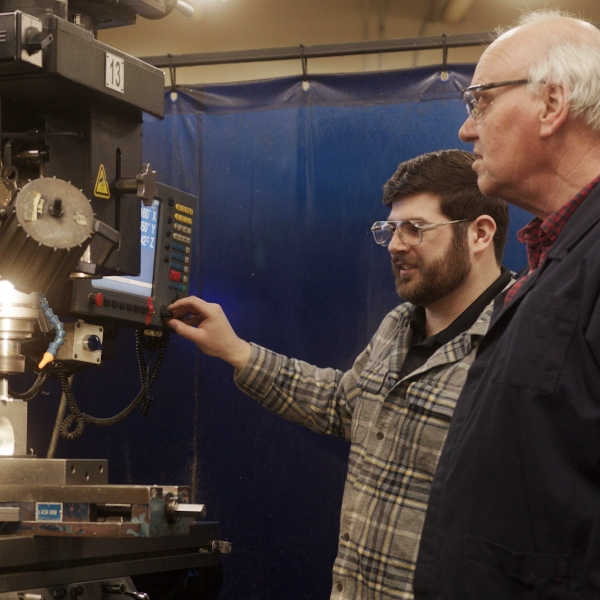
(288, 182)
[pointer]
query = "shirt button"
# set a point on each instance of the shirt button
(339, 587)
(379, 435)
(346, 536)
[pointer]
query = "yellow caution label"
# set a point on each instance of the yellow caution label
(101, 190)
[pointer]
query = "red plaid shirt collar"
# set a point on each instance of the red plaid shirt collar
(539, 236)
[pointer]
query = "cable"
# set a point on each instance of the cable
(76, 415)
(32, 391)
(147, 375)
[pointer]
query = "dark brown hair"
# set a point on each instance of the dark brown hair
(448, 175)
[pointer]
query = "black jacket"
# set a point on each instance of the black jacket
(515, 505)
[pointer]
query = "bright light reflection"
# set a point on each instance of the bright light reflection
(7, 292)
(7, 438)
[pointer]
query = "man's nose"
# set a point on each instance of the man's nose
(468, 131)
(397, 244)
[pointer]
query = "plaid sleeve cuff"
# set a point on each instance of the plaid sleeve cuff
(257, 376)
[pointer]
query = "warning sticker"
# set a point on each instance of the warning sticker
(101, 189)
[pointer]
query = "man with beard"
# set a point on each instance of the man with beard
(394, 406)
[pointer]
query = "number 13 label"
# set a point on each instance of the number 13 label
(115, 73)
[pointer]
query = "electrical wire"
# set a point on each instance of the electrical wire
(32, 392)
(148, 373)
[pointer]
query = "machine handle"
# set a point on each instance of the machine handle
(174, 510)
(119, 589)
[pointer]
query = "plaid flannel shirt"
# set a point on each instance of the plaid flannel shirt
(396, 428)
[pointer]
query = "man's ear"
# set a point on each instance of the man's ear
(481, 233)
(555, 108)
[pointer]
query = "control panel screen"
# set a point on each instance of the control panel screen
(140, 285)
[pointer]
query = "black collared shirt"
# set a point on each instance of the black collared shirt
(423, 347)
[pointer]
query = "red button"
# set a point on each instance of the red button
(97, 299)
(150, 304)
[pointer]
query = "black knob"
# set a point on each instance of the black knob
(56, 208)
(165, 314)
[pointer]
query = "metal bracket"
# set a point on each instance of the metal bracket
(172, 74)
(444, 74)
(304, 63)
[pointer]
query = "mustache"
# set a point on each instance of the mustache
(400, 263)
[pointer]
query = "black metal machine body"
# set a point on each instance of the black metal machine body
(77, 116)
(84, 224)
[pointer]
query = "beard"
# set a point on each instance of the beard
(437, 279)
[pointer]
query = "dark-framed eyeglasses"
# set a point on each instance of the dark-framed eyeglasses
(410, 233)
(472, 95)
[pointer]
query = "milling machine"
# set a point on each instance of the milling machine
(74, 196)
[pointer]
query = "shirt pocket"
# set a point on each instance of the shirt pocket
(535, 345)
(371, 385)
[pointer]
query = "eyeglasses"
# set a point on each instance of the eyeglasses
(471, 95)
(410, 233)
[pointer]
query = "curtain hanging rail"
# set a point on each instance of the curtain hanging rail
(321, 51)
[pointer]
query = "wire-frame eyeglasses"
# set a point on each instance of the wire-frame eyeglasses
(471, 95)
(410, 233)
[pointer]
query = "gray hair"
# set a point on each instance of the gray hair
(572, 60)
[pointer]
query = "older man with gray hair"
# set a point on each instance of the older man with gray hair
(515, 505)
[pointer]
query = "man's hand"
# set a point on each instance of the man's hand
(206, 325)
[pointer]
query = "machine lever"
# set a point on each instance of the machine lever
(114, 588)
(36, 40)
(174, 510)
(119, 589)
(143, 185)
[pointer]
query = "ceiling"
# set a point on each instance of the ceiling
(221, 25)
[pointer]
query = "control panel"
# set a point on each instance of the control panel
(166, 260)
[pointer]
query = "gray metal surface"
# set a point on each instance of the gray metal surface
(13, 422)
(18, 314)
(52, 471)
(10, 514)
(94, 494)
